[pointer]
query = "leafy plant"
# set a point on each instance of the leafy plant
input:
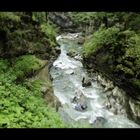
(22, 105)
(102, 37)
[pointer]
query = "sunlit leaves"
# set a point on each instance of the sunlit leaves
(102, 37)
(22, 105)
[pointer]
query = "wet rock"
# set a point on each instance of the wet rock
(86, 82)
(90, 65)
(123, 112)
(119, 100)
(108, 105)
(81, 40)
(78, 57)
(58, 105)
(80, 107)
(70, 72)
(58, 50)
(115, 91)
(108, 94)
(72, 53)
(112, 101)
(80, 101)
(113, 110)
(134, 108)
(107, 84)
(99, 121)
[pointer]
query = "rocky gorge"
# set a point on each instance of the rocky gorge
(69, 69)
(80, 99)
(115, 65)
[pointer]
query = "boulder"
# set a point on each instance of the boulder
(80, 107)
(81, 40)
(86, 82)
(80, 101)
(69, 72)
(58, 50)
(78, 57)
(99, 119)
(72, 53)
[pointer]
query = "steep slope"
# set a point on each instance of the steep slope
(27, 45)
(113, 50)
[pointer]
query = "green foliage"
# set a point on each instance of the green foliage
(136, 82)
(21, 67)
(23, 108)
(48, 29)
(133, 51)
(22, 105)
(126, 70)
(118, 45)
(50, 32)
(39, 16)
(134, 23)
(9, 16)
(3, 65)
(33, 34)
(133, 48)
(102, 37)
(27, 63)
(82, 17)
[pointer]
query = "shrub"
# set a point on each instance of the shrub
(102, 37)
(9, 16)
(22, 105)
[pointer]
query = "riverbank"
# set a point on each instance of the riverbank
(27, 48)
(67, 74)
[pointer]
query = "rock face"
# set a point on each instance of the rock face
(47, 89)
(119, 102)
(62, 20)
(117, 66)
(105, 83)
(134, 111)
(117, 98)
(78, 57)
(105, 62)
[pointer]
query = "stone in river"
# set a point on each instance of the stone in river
(69, 72)
(86, 82)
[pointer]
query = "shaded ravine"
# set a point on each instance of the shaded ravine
(67, 74)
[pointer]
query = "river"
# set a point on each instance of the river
(67, 74)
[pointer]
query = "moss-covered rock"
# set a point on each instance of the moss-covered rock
(72, 52)
(63, 21)
(25, 33)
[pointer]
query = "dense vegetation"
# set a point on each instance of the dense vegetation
(114, 49)
(25, 40)
(27, 44)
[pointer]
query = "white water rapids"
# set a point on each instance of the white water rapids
(67, 74)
